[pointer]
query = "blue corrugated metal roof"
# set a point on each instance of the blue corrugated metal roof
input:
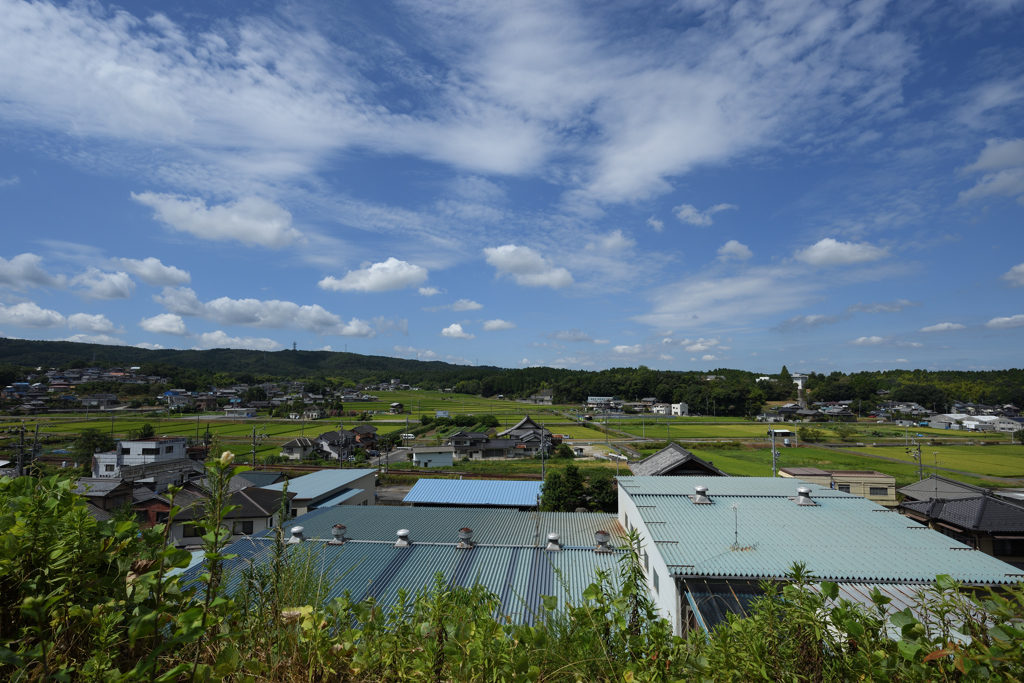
(842, 538)
(315, 484)
(338, 498)
(491, 526)
(475, 492)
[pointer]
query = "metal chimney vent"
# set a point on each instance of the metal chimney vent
(297, 536)
(553, 542)
(465, 537)
(403, 539)
(338, 531)
(700, 496)
(602, 538)
(803, 496)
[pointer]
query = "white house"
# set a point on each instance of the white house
(128, 453)
(433, 456)
(680, 409)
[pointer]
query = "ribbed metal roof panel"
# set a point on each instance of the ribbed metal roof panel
(318, 483)
(338, 498)
(475, 492)
(491, 526)
(725, 486)
(842, 538)
(519, 576)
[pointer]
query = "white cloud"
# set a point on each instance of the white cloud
(28, 314)
(702, 345)
(614, 243)
(943, 327)
(1005, 323)
(665, 356)
(149, 346)
(572, 335)
(8, 182)
(602, 341)
(95, 284)
(164, 323)
(24, 271)
(251, 220)
(526, 267)
(153, 272)
(97, 324)
(886, 307)
(868, 341)
(389, 326)
(455, 331)
(466, 305)
(997, 155)
(734, 250)
(805, 322)
(95, 339)
(429, 291)
(628, 350)
(355, 328)
(1015, 276)
(688, 213)
(221, 340)
(422, 354)
(708, 357)
(378, 277)
(654, 223)
(497, 324)
(256, 313)
(182, 301)
(830, 252)
(1001, 164)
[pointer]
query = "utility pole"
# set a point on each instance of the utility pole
(775, 454)
(257, 439)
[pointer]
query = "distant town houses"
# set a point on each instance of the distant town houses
(524, 439)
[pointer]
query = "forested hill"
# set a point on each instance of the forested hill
(283, 364)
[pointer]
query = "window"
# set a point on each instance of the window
(108, 468)
(645, 561)
(151, 451)
(169, 449)
(242, 528)
(656, 587)
(1004, 547)
(625, 516)
(878, 491)
(189, 531)
(126, 451)
(845, 488)
(295, 512)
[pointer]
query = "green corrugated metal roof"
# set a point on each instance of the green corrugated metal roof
(491, 526)
(842, 538)
(517, 575)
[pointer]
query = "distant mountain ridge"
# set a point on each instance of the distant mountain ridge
(287, 363)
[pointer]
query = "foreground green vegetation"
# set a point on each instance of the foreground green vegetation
(98, 601)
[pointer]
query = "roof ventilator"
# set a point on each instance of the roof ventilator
(700, 496)
(403, 539)
(297, 536)
(602, 538)
(553, 542)
(465, 537)
(803, 496)
(338, 531)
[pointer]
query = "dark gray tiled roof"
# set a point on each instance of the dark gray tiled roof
(940, 487)
(978, 513)
(252, 502)
(671, 457)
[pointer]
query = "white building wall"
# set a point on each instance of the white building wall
(680, 409)
(666, 597)
(429, 457)
(129, 453)
(259, 524)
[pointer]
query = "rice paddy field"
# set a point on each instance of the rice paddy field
(758, 463)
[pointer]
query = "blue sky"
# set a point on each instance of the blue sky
(829, 185)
